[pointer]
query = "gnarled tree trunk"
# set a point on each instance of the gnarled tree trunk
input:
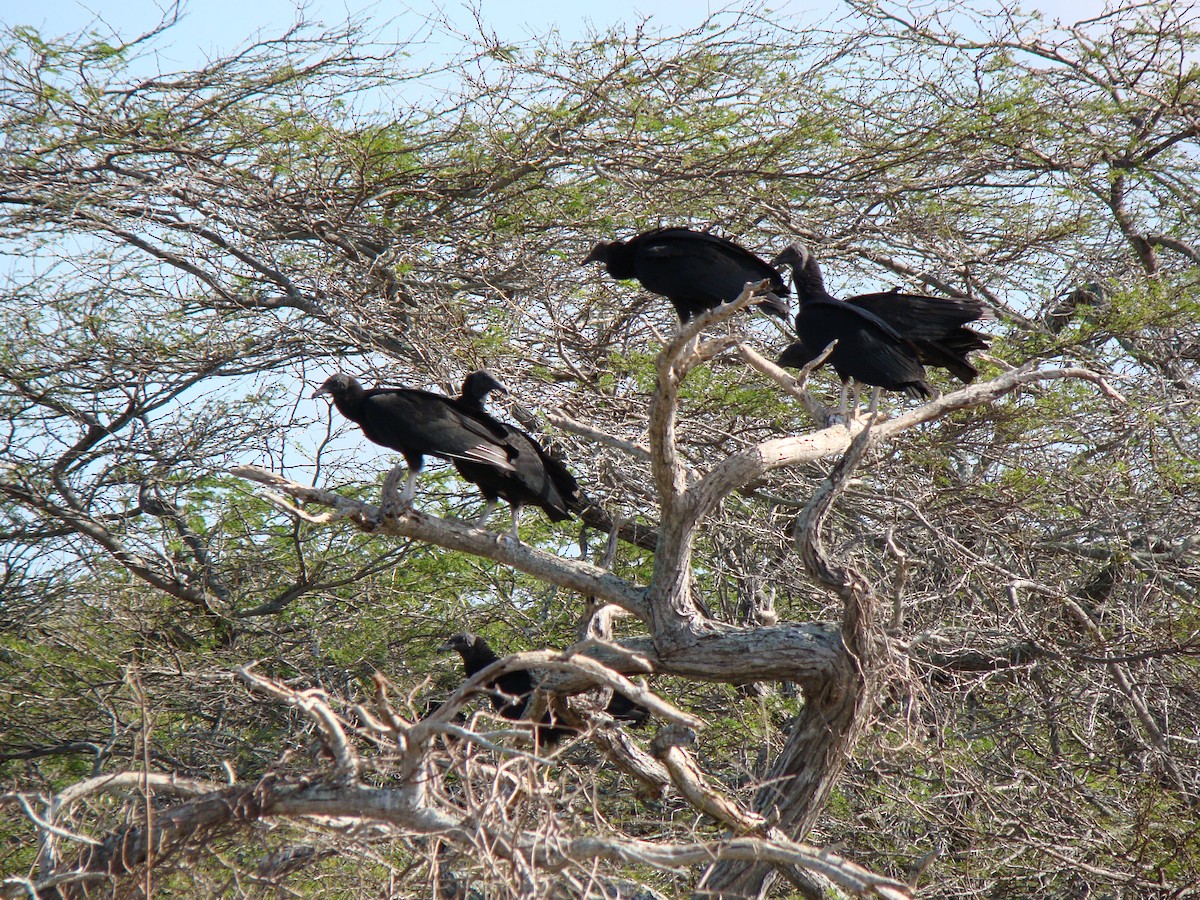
(836, 708)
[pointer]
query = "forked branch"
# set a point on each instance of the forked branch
(751, 464)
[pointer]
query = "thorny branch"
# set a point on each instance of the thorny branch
(345, 797)
(222, 238)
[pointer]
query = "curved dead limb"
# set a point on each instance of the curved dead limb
(791, 651)
(677, 358)
(810, 522)
(751, 464)
(675, 620)
(44, 825)
(313, 705)
(560, 419)
(623, 752)
(670, 747)
(575, 664)
(595, 631)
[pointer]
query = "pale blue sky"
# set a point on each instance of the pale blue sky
(210, 27)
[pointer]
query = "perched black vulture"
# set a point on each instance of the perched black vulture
(883, 339)
(694, 270)
(511, 691)
(419, 424)
(934, 325)
(537, 477)
(1089, 295)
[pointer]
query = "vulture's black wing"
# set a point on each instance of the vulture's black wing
(867, 349)
(420, 423)
(935, 325)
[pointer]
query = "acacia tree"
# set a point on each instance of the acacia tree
(987, 605)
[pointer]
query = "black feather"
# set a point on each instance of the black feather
(418, 423)
(509, 692)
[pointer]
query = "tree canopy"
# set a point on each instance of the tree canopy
(952, 653)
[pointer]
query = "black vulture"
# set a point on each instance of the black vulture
(537, 477)
(1089, 294)
(694, 270)
(883, 339)
(511, 691)
(419, 424)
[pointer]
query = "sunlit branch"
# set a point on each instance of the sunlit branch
(453, 535)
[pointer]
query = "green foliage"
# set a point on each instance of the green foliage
(188, 255)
